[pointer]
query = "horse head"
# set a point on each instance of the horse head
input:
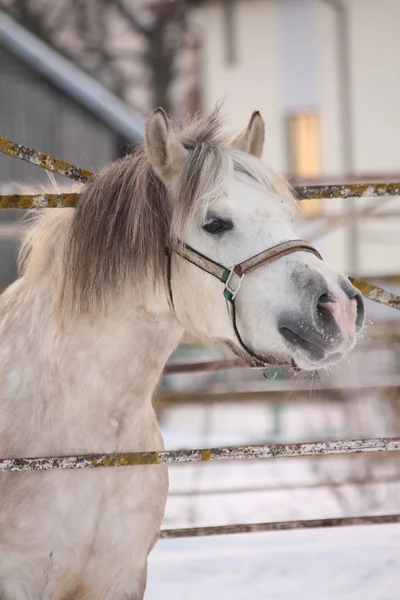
(232, 220)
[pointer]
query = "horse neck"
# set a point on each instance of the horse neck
(89, 382)
(120, 357)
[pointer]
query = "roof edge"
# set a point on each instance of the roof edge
(72, 80)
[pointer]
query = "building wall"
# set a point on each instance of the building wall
(34, 113)
(328, 77)
(371, 142)
(272, 73)
(374, 91)
(250, 82)
(274, 57)
(375, 68)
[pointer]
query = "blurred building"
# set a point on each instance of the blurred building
(48, 103)
(52, 105)
(324, 74)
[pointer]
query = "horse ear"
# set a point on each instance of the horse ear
(252, 138)
(163, 146)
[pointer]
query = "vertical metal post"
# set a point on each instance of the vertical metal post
(344, 56)
(229, 18)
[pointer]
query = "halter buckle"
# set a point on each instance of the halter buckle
(236, 277)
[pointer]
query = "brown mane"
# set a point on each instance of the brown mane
(124, 222)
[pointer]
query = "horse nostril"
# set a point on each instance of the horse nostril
(325, 317)
(360, 310)
(325, 308)
(325, 299)
(354, 294)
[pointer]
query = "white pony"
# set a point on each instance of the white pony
(107, 291)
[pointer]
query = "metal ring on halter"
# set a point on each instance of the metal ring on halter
(233, 280)
(235, 275)
(274, 373)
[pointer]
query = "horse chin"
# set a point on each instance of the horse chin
(255, 363)
(302, 362)
(298, 361)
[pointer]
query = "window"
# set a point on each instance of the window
(305, 152)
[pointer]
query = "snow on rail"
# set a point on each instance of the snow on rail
(124, 459)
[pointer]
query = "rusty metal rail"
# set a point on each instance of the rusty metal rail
(90, 461)
(45, 161)
(376, 294)
(351, 190)
(275, 397)
(237, 363)
(278, 526)
(26, 201)
(200, 367)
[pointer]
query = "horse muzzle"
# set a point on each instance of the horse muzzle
(325, 328)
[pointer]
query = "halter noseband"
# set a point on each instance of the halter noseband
(233, 278)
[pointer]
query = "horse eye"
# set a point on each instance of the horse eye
(217, 226)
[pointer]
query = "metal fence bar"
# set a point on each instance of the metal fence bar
(376, 294)
(278, 526)
(274, 397)
(364, 190)
(216, 365)
(121, 459)
(27, 201)
(45, 161)
(201, 367)
(351, 190)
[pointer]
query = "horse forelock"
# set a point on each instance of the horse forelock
(124, 220)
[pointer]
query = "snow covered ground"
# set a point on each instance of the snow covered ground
(354, 563)
(358, 563)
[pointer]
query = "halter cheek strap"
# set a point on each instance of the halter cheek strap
(233, 278)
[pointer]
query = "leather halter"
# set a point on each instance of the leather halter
(233, 278)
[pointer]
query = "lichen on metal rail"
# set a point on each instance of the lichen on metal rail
(26, 201)
(351, 190)
(45, 161)
(376, 294)
(90, 461)
(303, 193)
